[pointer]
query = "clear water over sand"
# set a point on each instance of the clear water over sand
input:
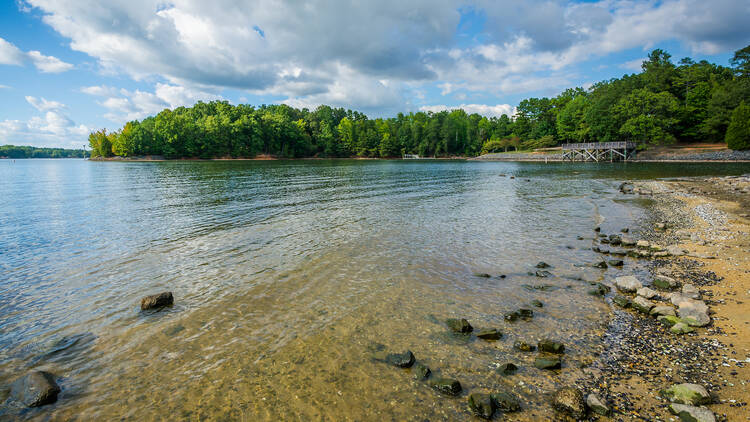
(288, 274)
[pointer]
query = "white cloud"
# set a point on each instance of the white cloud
(483, 109)
(52, 128)
(4, 87)
(633, 65)
(43, 104)
(11, 55)
(123, 105)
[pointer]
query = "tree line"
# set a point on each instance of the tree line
(13, 151)
(664, 103)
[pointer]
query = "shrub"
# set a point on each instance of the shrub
(738, 132)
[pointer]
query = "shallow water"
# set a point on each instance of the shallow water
(288, 275)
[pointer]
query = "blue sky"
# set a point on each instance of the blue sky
(71, 66)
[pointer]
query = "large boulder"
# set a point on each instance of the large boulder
(692, 413)
(157, 301)
(35, 389)
(692, 394)
(481, 405)
(569, 400)
(459, 325)
(628, 284)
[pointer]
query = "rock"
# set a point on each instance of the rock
(447, 386)
(548, 362)
(646, 293)
(569, 400)
(596, 405)
(615, 239)
(618, 252)
(668, 320)
(681, 328)
(604, 239)
(626, 188)
(507, 368)
(663, 310)
(421, 371)
(543, 273)
(402, 360)
(694, 313)
(489, 334)
(481, 405)
(600, 264)
(665, 283)
(599, 290)
(643, 244)
(537, 303)
(512, 316)
(624, 229)
(621, 301)
(628, 284)
(157, 301)
(660, 226)
(597, 229)
(35, 389)
(626, 241)
(616, 262)
(542, 264)
(661, 254)
(692, 394)
(526, 313)
(642, 305)
(523, 346)
(550, 346)
(482, 275)
(688, 290)
(459, 325)
(692, 413)
(676, 250)
(505, 402)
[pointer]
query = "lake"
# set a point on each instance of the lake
(291, 278)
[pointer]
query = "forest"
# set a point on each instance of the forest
(13, 151)
(663, 104)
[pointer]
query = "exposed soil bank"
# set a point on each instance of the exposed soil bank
(707, 217)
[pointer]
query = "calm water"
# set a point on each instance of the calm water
(287, 275)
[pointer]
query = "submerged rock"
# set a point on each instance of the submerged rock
(512, 316)
(626, 241)
(507, 368)
(157, 301)
(616, 262)
(628, 284)
(421, 371)
(489, 334)
(482, 275)
(596, 405)
(621, 301)
(548, 362)
(35, 389)
(599, 290)
(542, 264)
(481, 405)
(526, 313)
(402, 360)
(692, 413)
(505, 402)
(537, 303)
(569, 400)
(692, 394)
(447, 386)
(523, 346)
(550, 346)
(459, 325)
(543, 273)
(600, 264)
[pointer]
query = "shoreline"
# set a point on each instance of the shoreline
(707, 217)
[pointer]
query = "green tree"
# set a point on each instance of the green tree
(649, 118)
(738, 132)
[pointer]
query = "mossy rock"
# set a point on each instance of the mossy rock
(421, 371)
(481, 405)
(507, 369)
(402, 360)
(459, 325)
(523, 346)
(447, 386)
(548, 362)
(537, 303)
(622, 301)
(489, 334)
(691, 394)
(550, 346)
(505, 402)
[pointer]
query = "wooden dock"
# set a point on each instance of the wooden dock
(599, 151)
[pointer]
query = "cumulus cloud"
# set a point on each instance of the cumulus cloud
(12, 55)
(370, 55)
(122, 104)
(483, 109)
(51, 128)
(633, 65)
